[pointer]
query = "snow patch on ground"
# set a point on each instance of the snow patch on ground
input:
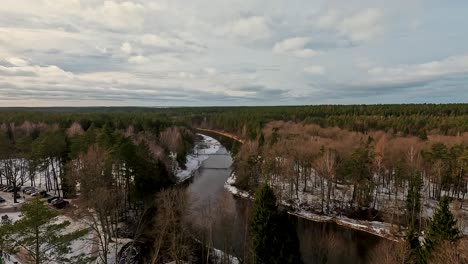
(222, 257)
(229, 186)
(373, 227)
(15, 216)
(201, 151)
(82, 245)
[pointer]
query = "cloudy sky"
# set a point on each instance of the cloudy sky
(226, 52)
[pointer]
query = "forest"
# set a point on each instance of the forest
(115, 170)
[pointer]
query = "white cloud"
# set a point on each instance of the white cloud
(295, 46)
(139, 59)
(126, 48)
(167, 42)
(420, 72)
(17, 61)
(358, 26)
(210, 71)
(289, 45)
(43, 40)
(306, 53)
(155, 40)
(328, 20)
(314, 69)
(362, 26)
(253, 27)
(117, 15)
(22, 69)
(185, 75)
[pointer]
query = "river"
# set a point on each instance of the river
(222, 219)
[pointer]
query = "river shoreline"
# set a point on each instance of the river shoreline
(380, 229)
(200, 152)
(211, 184)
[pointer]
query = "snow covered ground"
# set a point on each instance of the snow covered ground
(229, 185)
(222, 257)
(373, 227)
(36, 177)
(200, 153)
(82, 245)
(8, 205)
(308, 205)
(202, 149)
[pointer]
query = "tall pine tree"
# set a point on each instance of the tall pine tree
(7, 241)
(413, 200)
(42, 240)
(442, 227)
(274, 238)
(416, 251)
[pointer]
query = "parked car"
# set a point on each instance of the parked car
(4, 188)
(11, 189)
(52, 199)
(43, 194)
(31, 191)
(60, 203)
(28, 189)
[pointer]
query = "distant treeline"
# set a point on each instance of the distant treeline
(407, 119)
(412, 119)
(139, 120)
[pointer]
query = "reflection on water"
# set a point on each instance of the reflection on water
(208, 184)
(222, 221)
(331, 243)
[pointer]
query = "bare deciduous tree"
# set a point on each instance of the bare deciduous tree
(171, 230)
(389, 252)
(99, 202)
(450, 252)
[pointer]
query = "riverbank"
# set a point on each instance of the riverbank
(201, 151)
(229, 217)
(381, 229)
(222, 133)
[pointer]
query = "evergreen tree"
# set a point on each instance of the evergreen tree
(416, 250)
(357, 168)
(287, 240)
(106, 138)
(6, 239)
(151, 174)
(262, 224)
(42, 240)
(413, 200)
(274, 137)
(274, 238)
(442, 226)
(261, 140)
(422, 135)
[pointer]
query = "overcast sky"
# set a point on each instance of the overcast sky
(220, 52)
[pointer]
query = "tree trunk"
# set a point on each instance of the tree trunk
(38, 252)
(329, 185)
(57, 189)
